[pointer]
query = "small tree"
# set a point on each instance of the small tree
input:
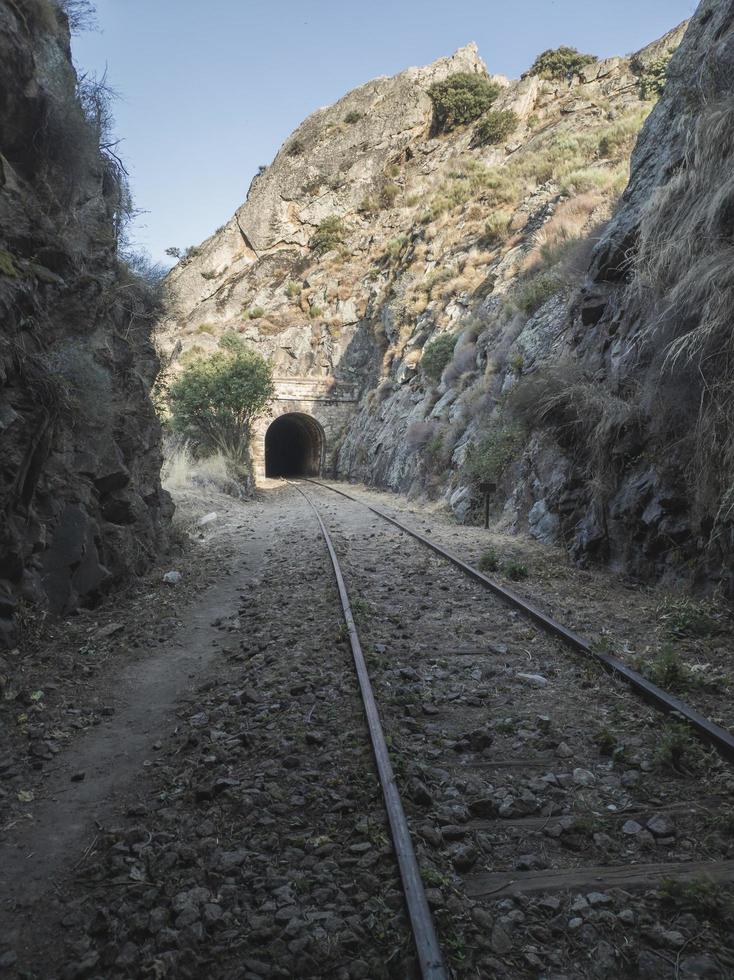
(461, 98)
(561, 63)
(437, 355)
(496, 127)
(216, 399)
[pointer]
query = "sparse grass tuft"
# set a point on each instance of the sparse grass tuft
(489, 560)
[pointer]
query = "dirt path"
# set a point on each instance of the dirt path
(98, 778)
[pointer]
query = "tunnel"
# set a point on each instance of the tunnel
(294, 446)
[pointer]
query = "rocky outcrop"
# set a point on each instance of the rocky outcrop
(81, 501)
(563, 389)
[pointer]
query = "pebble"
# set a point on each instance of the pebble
(660, 826)
(172, 578)
(631, 828)
(207, 519)
(533, 680)
(564, 751)
(584, 777)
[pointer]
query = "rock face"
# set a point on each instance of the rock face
(81, 501)
(371, 235)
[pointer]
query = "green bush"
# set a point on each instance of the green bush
(496, 127)
(515, 570)
(437, 355)
(560, 63)
(214, 401)
(328, 235)
(653, 78)
(488, 458)
(489, 560)
(293, 289)
(255, 312)
(352, 117)
(461, 98)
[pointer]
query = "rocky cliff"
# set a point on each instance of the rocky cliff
(573, 370)
(81, 501)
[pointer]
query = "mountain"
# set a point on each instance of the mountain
(498, 291)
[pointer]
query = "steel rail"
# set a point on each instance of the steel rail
(712, 733)
(421, 920)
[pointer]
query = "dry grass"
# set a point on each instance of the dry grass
(685, 278)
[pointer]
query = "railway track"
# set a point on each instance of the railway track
(524, 777)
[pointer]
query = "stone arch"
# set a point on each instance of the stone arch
(294, 445)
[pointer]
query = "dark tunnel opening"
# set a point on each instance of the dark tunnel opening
(293, 446)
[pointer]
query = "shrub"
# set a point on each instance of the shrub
(418, 434)
(81, 14)
(515, 570)
(293, 289)
(255, 312)
(487, 459)
(560, 63)
(295, 149)
(496, 127)
(496, 229)
(215, 399)
(352, 117)
(461, 98)
(315, 311)
(205, 328)
(437, 355)
(489, 560)
(530, 295)
(653, 77)
(328, 235)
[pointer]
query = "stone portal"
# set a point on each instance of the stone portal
(294, 446)
(302, 427)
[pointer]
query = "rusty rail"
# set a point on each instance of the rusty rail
(421, 920)
(710, 732)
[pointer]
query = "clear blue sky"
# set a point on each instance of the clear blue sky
(211, 88)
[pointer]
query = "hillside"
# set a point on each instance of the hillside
(375, 232)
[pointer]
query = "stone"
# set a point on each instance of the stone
(699, 966)
(660, 826)
(631, 828)
(584, 777)
(500, 941)
(172, 578)
(533, 680)
(207, 519)
(563, 751)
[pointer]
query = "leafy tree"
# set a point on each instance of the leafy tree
(437, 355)
(174, 252)
(561, 63)
(461, 98)
(215, 400)
(496, 127)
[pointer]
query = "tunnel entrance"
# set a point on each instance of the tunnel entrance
(294, 445)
